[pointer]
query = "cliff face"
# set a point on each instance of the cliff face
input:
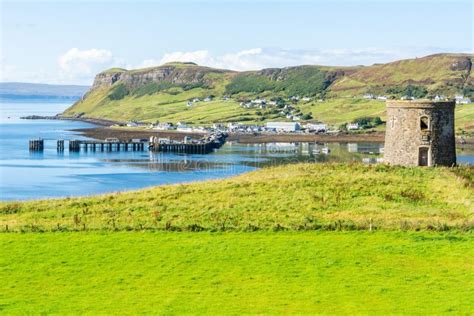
(105, 79)
(176, 73)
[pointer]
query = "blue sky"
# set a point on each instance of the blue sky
(70, 41)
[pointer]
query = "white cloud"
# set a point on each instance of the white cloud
(200, 57)
(258, 58)
(78, 64)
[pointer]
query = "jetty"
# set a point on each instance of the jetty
(93, 145)
(189, 146)
(204, 145)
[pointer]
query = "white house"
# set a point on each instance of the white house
(460, 99)
(382, 98)
(189, 103)
(319, 127)
(368, 96)
(305, 99)
(439, 98)
(284, 126)
(132, 124)
(164, 126)
(352, 126)
(259, 101)
(465, 101)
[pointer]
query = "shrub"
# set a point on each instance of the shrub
(119, 92)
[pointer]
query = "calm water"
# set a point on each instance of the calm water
(25, 175)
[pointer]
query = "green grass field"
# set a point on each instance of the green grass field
(236, 273)
(294, 239)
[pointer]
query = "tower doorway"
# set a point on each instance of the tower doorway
(423, 156)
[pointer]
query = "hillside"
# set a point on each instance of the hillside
(37, 90)
(291, 197)
(162, 93)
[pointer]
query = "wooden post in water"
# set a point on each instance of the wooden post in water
(60, 145)
(36, 145)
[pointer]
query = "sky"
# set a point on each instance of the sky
(69, 42)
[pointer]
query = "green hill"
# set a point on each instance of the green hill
(291, 197)
(162, 93)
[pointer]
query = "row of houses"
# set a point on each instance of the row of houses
(459, 98)
(370, 96)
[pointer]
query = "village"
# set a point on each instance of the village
(293, 121)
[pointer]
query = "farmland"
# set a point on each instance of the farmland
(235, 273)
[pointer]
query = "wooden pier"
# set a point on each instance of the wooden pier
(188, 146)
(203, 148)
(91, 145)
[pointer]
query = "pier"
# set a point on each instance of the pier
(203, 146)
(92, 145)
(187, 146)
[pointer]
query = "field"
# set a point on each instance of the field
(293, 239)
(236, 273)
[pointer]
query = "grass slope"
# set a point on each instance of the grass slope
(295, 197)
(236, 273)
(440, 73)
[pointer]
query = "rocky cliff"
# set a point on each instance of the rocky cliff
(173, 73)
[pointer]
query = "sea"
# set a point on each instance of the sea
(26, 175)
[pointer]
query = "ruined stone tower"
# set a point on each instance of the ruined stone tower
(420, 133)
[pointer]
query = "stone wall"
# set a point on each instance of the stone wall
(404, 136)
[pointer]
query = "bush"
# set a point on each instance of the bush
(118, 92)
(368, 122)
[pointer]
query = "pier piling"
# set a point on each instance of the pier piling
(36, 145)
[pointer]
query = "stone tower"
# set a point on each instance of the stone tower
(420, 133)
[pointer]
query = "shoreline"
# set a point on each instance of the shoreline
(104, 130)
(125, 134)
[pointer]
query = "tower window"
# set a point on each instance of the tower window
(424, 123)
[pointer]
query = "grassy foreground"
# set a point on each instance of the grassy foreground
(296, 197)
(268, 249)
(237, 273)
